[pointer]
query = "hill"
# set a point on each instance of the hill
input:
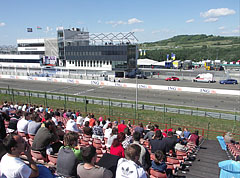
(194, 47)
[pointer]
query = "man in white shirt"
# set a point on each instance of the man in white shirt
(22, 125)
(71, 125)
(129, 167)
(80, 120)
(11, 165)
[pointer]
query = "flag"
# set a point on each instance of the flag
(173, 56)
(167, 56)
(39, 28)
(29, 30)
(140, 52)
(144, 52)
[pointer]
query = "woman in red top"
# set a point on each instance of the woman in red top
(117, 148)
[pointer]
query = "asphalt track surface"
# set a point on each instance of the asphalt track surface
(221, 102)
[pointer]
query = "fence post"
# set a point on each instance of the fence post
(85, 101)
(109, 105)
(65, 101)
(208, 130)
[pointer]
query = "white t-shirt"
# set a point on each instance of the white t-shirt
(129, 169)
(108, 132)
(22, 125)
(80, 120)
(85, 120)
(55, 121)
(71, 126)
(12, 167)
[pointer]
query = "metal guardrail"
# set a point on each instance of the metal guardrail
(125, 105)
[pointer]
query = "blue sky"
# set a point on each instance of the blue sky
(151, 20)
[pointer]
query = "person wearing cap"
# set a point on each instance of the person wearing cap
(121, 126)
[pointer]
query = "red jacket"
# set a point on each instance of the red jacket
(121, 127)
(118, 151)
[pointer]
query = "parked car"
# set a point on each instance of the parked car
(172, 79)
(228, 81)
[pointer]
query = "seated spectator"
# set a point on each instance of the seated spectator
(69, 156)
(89, 169)
(128, 138)
(157, 143)
(97, 130)
(108, 131)
(144, 158)
(156, 127)
(46, 138)
(229, 139)
(112, 137)
(129, 167)
(194, 138)
(140, 129)
(121, 126)
(186, 133)
(129, 125)
(117, 147)
(22, 125)
(170, 142)
(2, 127)
(149, 134)
(11, 165)
(72, 125)
(80, 120)
(86, 129)
(149, 126)
(159, 164)
(34, 125)
(87, 118)
(179, 132)
(92, 121)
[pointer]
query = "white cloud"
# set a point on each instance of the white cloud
(134, 20)
(163, 31)
(217, 12)
(2, 24)
(190, 21)
(211, 20)
(221, 28)
(138, 30)
(120, 22)
(99, 21)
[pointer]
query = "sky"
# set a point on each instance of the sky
(151, 20)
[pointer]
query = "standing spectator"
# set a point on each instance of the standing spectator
(97, 130)
(179, 132)
(129, 124)
(89, 169)
(34, 125)
(129, 167)
(11, 165)
(121, 126)
(117, 147)
(69, 156)
(71, 125)
(106, 124)
(22, 125)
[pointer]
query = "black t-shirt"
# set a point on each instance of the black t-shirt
(158, 145)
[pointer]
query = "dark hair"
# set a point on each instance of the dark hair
(170, 133)
(140, 124)
(158, 156)
(86, 124)
(132, 151)
(156, 126)
(70, 138)
(48, 123)
(119, 139)
(127, 131)
(158, 134)
(9, 142)
(2, 149)
(136, 136)
(114, 131)
(109, 125)
(88, 153)
(152, 128)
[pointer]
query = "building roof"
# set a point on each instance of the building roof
(149, 62)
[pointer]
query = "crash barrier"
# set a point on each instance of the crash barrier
(126, 85)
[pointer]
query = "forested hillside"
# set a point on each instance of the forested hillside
(194, 47)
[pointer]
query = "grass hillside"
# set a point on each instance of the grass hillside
(194, 47)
